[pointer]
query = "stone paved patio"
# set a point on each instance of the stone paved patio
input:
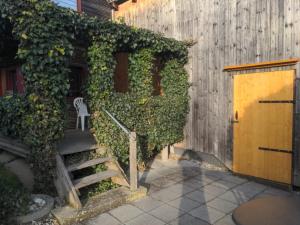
(181, 193)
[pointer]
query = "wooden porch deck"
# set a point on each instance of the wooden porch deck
(76, 141)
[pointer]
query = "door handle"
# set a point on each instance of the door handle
(236, 117)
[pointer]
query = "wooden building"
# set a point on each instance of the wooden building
(244, 72)
(99, 8)
(11, 79)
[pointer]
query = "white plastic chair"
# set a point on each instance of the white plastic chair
(81, 110)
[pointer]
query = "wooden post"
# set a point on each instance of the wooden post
(133, 161)
(165, 154)
(172, 149)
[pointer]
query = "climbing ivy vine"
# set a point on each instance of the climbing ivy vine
(46, 36)
(158, 120)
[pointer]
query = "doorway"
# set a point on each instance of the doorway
(263, 125)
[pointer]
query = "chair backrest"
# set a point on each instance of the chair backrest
(80, 106)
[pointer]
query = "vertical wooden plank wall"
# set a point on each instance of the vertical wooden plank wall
(98, 8)
(228, 32)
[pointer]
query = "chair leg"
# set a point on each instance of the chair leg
(82, 123)
(77, 121)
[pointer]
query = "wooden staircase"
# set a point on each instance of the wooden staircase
(76, 141)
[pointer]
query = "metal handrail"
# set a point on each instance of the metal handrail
(117, 122)
(132, 152)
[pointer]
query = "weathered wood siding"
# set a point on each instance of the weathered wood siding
(98, 8)
(228, 32)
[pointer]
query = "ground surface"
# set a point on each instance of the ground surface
(181, 193)
(19, 167)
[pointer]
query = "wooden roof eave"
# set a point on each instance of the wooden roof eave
(261, 65)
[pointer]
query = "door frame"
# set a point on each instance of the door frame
(270, 66)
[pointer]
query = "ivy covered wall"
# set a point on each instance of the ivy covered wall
(46, 35)
(157, 119)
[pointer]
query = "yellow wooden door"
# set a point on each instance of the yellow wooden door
(263, 125)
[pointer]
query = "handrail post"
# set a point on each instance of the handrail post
(133, 161)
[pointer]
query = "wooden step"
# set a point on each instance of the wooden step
(77, 141)
(81, 148)
(82, 165)
(85, 181)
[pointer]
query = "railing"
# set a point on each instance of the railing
(132, 152)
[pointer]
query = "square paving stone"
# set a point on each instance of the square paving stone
(196, 184)
(180, 188)
(190, 172)
(177, 177)
(188, 220)
(224, 184)
(207, 214)
(184, 204)
(166, 171)
(148, 176)
(214, 190)
(151, 188)
(200, 196)
(126, 212)
(163, 182)
(278, 192)
(235, 179)
(165, 195)
(145, 219)
(243, 192)
(218, 174)
(235, 197)
(104, 219)
(147, 204)
(177, 174)
(207, 179)
(227, 220)
(172, 192)
(251, 188)
(222, 205)
(166, 213)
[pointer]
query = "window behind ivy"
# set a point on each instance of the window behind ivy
(121, 82)
(11, 81)
(156, 78)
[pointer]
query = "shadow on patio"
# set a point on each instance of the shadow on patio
(182, 193)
